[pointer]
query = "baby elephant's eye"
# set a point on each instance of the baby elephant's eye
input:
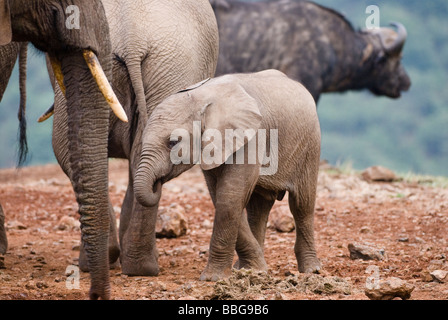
(172, 144)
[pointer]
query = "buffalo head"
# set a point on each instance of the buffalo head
(389, 77)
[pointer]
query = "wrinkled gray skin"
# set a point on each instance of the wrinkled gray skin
(265, 100)
(43, 24)
(9, 54)
(3, 239)
(312, 44)
(159, 48)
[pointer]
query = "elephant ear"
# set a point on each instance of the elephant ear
(233, 110)
(5, 23)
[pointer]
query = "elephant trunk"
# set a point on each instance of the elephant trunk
(88, 127)
(147, 187)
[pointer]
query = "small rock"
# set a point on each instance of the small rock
(161, 286)
(433, 266)
(282, 220)
(440, 276)
(15, 225)
(364, 252)
(389, 289)
(182, 250)
(203, 250)
(30, 285)
(378, 173)
(41, 285)
(68, 223)
(207, 224)
(278, 296)
(171, 222)
(365, 229)
(419, 240)
(426, 276)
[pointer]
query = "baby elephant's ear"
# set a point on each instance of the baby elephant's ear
(5, 23)
(234, 111)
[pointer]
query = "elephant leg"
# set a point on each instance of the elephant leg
(139, 253)
(231, 194)
(250, 255)
(3, 238)
(254, 227)
(301, 205)
(114, 247)
(258, 210)
(60, 143)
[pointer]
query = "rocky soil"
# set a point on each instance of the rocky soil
(400, 230)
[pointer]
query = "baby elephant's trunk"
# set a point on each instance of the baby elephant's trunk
(147, 188)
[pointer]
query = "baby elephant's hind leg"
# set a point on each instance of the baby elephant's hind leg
(250, 253)
(302, 208)
(254, 226)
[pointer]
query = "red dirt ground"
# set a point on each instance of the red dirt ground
(409, 221)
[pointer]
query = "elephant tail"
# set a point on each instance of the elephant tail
(23, 143)
(135, 74)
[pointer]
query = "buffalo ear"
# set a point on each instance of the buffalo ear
(5, 23)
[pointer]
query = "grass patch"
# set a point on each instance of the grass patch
(426, 180)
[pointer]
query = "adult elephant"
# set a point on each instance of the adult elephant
(83, 56)
(159, 48)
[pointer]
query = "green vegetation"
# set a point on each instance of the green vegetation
(406, 135)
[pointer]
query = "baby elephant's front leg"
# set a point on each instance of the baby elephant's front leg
(223, 241)
(231, 194)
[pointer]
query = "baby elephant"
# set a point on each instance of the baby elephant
(255, 137)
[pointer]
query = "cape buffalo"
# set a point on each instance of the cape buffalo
(312, 44)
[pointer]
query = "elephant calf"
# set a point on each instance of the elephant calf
(228, 125)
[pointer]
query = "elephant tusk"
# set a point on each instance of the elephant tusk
(47, 115)
(104, 85)
(57, 70)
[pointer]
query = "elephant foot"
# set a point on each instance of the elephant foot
(258, 264)
(144, 265)
(210, 274)
(309, 265)
(139, 268)
(99, 293)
